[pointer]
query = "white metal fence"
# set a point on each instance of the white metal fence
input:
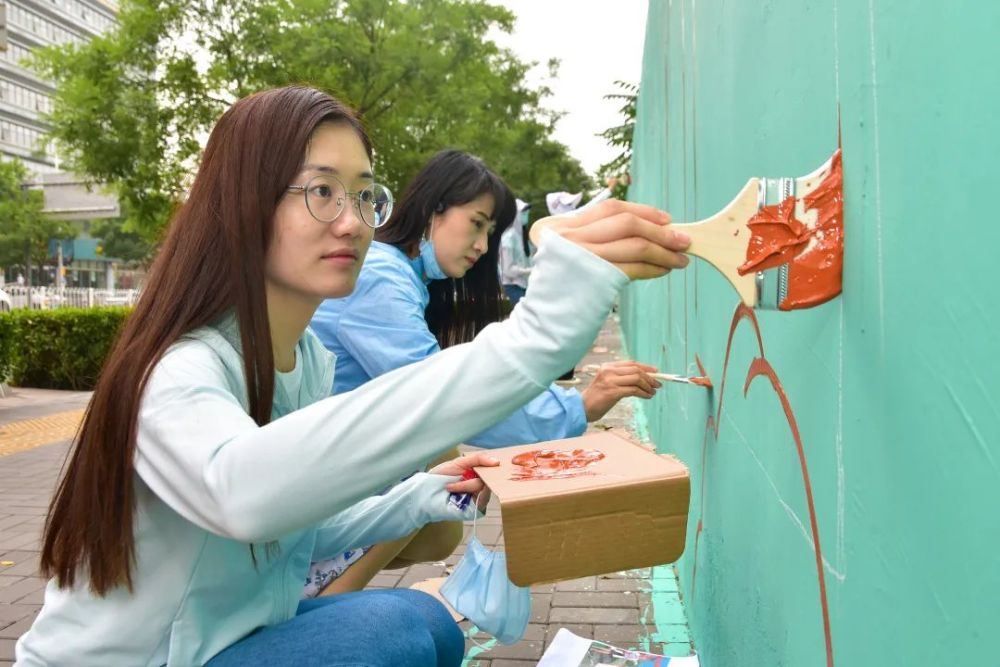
(47, 298)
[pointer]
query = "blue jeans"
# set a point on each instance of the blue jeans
(514, 293)
(375, 628)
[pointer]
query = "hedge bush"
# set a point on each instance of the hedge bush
(57, 349)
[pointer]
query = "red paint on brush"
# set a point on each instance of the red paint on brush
(816, 275)
(554, 463)
(761, 367)
(776, 237)
(814, 254)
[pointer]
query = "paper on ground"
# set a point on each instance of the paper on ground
(569, 650)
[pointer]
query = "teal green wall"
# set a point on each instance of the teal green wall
(894, 385)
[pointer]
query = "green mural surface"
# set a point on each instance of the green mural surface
(894, 386)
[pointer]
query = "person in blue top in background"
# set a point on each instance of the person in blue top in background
(515, 264)
(430, 281)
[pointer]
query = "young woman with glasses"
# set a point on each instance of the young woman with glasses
(212, 465)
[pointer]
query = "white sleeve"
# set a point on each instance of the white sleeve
(403, 509)
(200, 452)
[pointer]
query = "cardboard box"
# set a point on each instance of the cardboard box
(626, 510)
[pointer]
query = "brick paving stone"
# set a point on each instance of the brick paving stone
(585, 584)
(10, 520)
(670, 609)
(18, 628)
(417, 573)
(638, 573)
(526, 649)
(593, 616)
(9, 580)
(15, 592)
(25, 563)
(541, 603)
(676, 650)
(674, 633)
(7, 649)
(622, 585)
(621, 635)
(10, 613)
(386, 579)
(19, 540)
(595, 599)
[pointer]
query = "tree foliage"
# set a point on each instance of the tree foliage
(620, 136)
(24, 230)
(134, 106)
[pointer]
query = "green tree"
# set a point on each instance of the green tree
(25, 231)
(620, 136)
(117, 241)
(133, 107)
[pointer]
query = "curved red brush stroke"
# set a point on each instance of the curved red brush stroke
(760, 366)
(711, 424)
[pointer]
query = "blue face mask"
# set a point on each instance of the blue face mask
(432, 270)
(479, 589)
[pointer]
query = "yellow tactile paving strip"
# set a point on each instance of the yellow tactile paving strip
(31, 433)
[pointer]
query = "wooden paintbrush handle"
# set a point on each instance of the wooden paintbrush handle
(722, 240)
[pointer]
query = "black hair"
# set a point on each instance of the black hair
(459, 308)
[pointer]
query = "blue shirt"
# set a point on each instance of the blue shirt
(381, 327)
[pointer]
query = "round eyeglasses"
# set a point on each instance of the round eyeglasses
(326, 197)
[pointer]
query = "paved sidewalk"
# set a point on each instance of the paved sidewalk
(634, 609)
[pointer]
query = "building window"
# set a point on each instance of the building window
(25, 98)
(19, 135)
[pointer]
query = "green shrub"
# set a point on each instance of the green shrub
(59, 349)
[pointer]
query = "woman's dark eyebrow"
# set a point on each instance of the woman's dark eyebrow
(330, 170)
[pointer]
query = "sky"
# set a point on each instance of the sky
(598, 43)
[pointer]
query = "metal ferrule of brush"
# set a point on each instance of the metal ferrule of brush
(772, 284)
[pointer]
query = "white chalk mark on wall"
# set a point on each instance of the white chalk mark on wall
(841, 556)
(834, 572)
(878, 179)
(836, 53)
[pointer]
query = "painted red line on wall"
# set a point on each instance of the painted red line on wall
(760, 366)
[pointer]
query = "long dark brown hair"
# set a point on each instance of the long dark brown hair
(210, 262)
(458, 308)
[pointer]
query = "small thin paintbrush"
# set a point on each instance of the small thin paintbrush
(699, 380)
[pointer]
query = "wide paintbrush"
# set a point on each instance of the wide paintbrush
(779, 242)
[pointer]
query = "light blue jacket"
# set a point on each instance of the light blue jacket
(209, 481)
(381, 327)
